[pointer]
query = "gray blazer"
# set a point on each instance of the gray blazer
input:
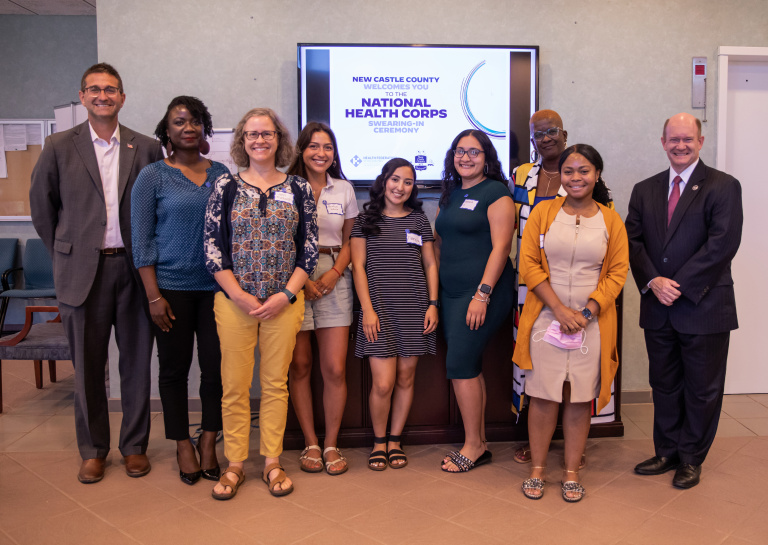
(67, 202)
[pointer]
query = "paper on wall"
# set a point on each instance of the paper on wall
(3, 164)
(220, 144)
(15, 138)
(34, 135)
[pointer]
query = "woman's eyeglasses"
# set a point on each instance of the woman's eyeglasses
(254, 135)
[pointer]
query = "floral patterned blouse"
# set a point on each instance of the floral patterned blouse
(261, 236)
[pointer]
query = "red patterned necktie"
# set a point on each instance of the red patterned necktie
(673, 198)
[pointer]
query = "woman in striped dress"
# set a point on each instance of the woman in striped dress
(396, 280)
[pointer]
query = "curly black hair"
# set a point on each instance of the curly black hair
(195, 107)
(451, 178)
(600, 193)
(371, 215)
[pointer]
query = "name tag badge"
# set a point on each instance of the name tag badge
(334, 208)
(541, 241)
(469, 204)
(283, 196)
(412, 238)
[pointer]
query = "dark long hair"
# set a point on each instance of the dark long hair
(372, 210)
(451, 178)
(600, 193)
(196, 109)
(302, 142)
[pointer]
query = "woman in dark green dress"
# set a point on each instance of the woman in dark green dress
(475, 225)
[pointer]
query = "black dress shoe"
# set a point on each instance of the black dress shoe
(687, 476)
(657, 465)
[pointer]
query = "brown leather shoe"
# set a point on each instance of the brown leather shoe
(137, 465)
(91, 470)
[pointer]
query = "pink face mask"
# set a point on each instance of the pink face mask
(555, 337)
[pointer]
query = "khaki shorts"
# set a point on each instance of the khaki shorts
(333, 309)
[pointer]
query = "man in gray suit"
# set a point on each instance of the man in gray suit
(80, 199)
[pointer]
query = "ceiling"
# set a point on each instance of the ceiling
(47, 7)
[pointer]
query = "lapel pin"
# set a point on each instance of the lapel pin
(131, 146)
(695, 187)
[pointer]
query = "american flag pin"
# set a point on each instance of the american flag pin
(695, 187)
(130, 146)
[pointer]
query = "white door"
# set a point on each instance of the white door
(746, 158)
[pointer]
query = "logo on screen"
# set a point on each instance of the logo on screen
(356, 161)
(420, 162)
(468, 112)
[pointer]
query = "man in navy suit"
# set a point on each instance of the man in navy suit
(684, 227)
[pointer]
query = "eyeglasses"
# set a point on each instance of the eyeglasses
(254, 135)
(552, 133)
(473, 152)
(95, 91)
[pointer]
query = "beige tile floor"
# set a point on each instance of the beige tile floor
(41, 501)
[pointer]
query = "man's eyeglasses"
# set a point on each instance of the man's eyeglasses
(254, 135)
(94, 91)
(552, 133)
(473, 152)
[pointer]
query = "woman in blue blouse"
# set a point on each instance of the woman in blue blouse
(261, 247)
(167, 211)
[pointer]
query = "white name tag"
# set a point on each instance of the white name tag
(469, 204)
(413, 238)
(541, 241)
(334, 208)
(282, 196)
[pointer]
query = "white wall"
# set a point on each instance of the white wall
(613, 69)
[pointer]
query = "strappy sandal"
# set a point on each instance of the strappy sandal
(226, 480)
(329, 464)
(378, 456)
(280, 479)
(571, 487)
(534, 483)
(396, 454)
(523, 454)
(464, 464)
(306, 458)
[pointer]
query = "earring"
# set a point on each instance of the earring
(334, 163)
(535, 156)
(485, 169)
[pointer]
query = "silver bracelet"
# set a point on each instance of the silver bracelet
(487, 300)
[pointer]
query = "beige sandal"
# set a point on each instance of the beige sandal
(226, 480)
(306, 458)
(329, 464)
(280, 479)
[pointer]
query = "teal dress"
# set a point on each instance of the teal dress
(465, 234)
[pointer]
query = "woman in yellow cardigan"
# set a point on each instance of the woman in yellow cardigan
(574, 259)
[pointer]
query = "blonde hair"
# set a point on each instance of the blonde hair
(285, 149)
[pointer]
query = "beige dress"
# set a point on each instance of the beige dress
(575, 252)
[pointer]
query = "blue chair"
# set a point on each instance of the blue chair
(8, 250)
(38, 277)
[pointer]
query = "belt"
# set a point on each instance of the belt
(112, 251)
(329, 250)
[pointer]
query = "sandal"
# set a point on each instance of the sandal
(523, 454)
(396, 454)
(306, 458)
(534, 483)
(378, 456)
(280, 479)
(328, 464)
(572, 487)
(226, 480)
(464, 464)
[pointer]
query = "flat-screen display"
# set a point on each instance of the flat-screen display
(384, 101)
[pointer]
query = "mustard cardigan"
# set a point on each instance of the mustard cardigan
(534, 270)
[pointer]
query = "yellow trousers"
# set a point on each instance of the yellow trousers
(239, 334)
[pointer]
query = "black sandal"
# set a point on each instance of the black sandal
(396, 454)
(378, 456)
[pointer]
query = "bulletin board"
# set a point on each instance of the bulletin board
(14, 189)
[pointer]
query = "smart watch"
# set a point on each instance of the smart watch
(587, 313)
(485, 288)
(291, 296)
(434, 303)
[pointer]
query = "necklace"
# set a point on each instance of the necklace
(550, 177)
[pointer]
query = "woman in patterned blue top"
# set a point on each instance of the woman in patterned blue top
(167, 211)
(261, 246)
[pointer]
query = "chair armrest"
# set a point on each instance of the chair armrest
(16, 339)
(6, 274)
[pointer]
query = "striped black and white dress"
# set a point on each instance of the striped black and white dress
(398, 287)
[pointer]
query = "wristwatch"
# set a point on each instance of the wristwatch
(587, 313)
(484, 288)
(291, 296)
(434, 303)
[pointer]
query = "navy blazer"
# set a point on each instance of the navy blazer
(695, 250)
(67, 202)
